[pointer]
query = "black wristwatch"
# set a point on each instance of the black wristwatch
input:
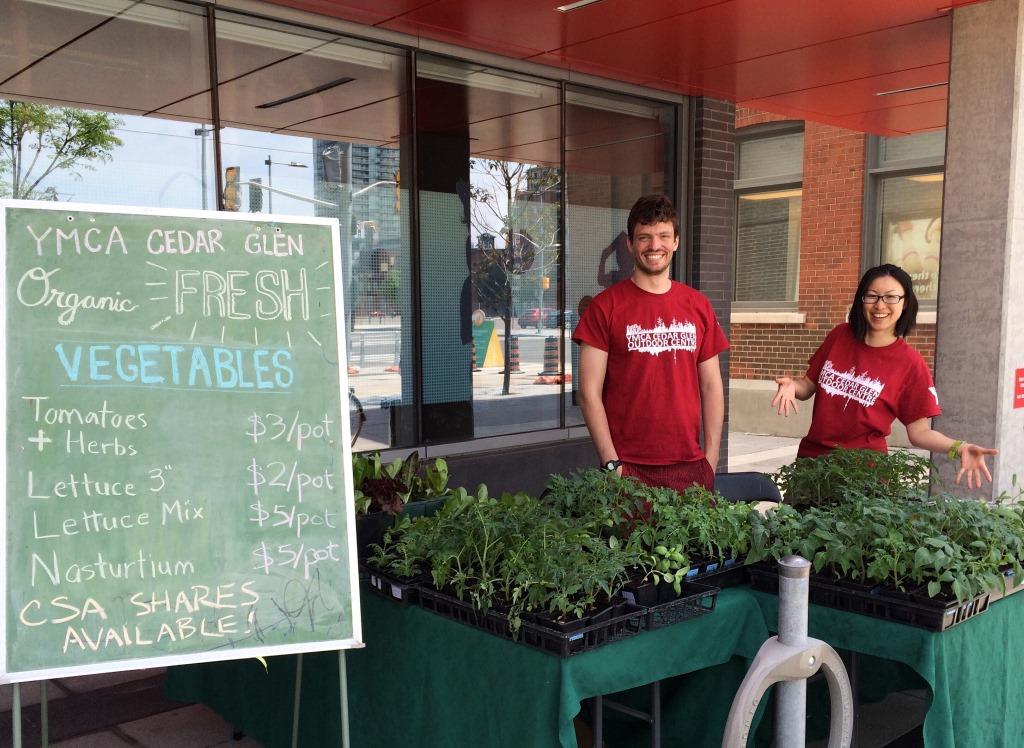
(611, 466)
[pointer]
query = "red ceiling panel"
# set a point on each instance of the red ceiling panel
(819, 57)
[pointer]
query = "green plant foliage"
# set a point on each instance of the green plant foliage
(846, 474)
(940, 546)
(388, 487)
(513, 553)
(37, 140)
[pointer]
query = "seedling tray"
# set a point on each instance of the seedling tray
(728, 573)
(931, 614)
(697, 599)
(402, 591)
(562, 643)
(584, 638)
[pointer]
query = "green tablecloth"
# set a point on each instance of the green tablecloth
(975, 671)
(426, 681)
(423, 680)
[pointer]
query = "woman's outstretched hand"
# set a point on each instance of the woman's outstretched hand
(785, 397)
(972, 464)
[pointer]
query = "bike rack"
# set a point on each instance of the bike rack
(788, 660)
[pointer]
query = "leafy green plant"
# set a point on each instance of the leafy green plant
(604, 501)
(942, 545)
(847, 474)
(388, 487)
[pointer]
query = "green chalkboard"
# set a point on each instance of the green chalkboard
(176, 456)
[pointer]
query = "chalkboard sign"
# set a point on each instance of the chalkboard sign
(176, 451)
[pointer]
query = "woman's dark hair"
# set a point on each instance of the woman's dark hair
(908, 319)
(651, 209)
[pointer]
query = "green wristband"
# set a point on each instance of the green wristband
(954, 450)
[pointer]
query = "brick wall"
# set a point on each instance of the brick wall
(830, 256)
(712, 219)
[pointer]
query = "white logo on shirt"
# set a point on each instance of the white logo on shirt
(935, 394)
(679, 336)
(849, 384)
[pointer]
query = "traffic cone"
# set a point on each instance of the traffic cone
(513, 355)
(550, 357)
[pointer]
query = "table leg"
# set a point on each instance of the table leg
(598, 721)
(656, 714)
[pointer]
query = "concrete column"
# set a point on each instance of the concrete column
(980, 332)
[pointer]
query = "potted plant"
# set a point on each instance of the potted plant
(383, 491)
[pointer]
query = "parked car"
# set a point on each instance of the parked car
(546, 317)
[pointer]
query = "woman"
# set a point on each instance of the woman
(866, 376)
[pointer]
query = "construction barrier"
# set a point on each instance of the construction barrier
(513, 355)
(474, 363)
(551, 365)
(552, 373)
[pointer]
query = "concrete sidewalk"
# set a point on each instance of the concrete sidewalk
(129, 709)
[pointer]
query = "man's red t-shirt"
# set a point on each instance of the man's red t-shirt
(651, 390)
(861, 389)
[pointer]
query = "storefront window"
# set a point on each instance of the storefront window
(92, 104)
(617, 149)
(490, 192)
(458, 333)
(313, 126)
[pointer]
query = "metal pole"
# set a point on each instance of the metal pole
(791, 696)
(270, 183)
(201, 132)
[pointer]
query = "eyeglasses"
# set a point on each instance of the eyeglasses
(889, 298)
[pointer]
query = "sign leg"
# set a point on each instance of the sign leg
(16, 715)
(343, 689)
(298, 699)
(44, 715)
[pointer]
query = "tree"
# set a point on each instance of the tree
(520, 202)
(37, 140)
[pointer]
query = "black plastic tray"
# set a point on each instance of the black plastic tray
(876, 602)
(696, 600)
(402, 591)
(729, 573)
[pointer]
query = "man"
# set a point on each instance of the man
(648, 367)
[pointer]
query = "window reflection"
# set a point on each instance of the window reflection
(490, 190)
(617, 149)
(100, 80)
(314, 127)
(768, 245)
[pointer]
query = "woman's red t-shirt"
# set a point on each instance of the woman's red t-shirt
(861, 390)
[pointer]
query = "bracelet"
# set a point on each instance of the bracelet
(954, 450)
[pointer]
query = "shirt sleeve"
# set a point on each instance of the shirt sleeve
(918, 398)
(714, 341)
(816, 361)
(593, 327)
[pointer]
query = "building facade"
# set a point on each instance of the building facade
(816, 205)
